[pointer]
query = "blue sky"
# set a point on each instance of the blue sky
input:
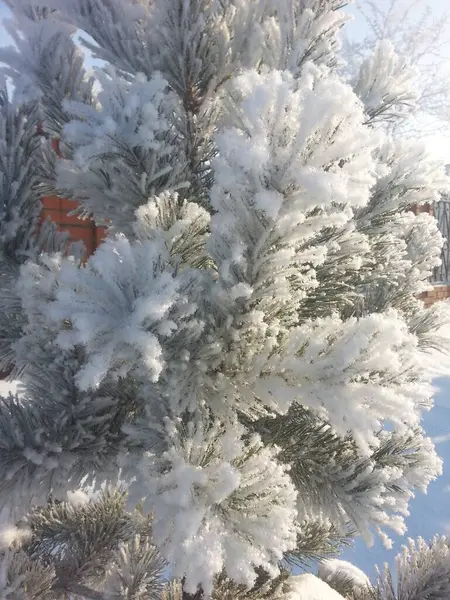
(430, 513)
(4, 38)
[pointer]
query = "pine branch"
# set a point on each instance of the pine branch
(92, 540)
(265, 589)
(318, 540)
(80, 590)
(344, 585)
(329, 471)
(172, 590)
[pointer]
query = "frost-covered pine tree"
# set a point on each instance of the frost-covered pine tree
(422, 573)
(23, 237)
(245, 355)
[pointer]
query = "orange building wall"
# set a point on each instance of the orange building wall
(59, 209)
(85, 230)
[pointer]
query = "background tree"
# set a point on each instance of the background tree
(422, 571)
(421, 39)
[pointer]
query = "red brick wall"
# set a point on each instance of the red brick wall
(59, 209)
(438, 293)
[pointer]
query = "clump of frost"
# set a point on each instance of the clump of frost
(310, 587)
(328, 569)
(219, 504)
(12, 536)
(77, 498)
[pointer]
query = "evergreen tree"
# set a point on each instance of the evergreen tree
(422, 573)
(245, 356)
(22, 236)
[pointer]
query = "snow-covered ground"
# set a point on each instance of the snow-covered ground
(430, 513)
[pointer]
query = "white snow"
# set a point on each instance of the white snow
(310, 587)
(8, 386)
(334, 566)
(200, 487)
(77, 498)
(11, 535)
